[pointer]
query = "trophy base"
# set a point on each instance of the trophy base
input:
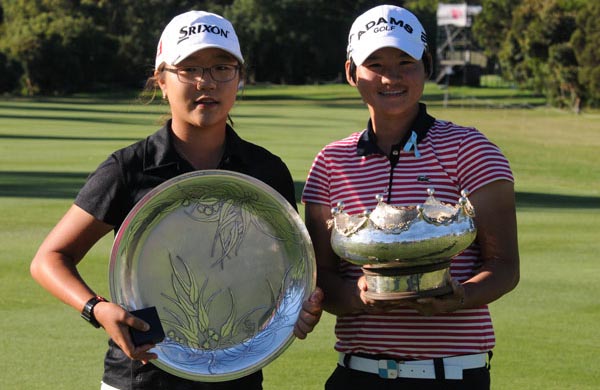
(394, 283)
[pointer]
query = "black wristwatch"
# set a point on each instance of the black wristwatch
(88, 310)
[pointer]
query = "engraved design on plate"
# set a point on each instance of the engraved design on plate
(199, 330)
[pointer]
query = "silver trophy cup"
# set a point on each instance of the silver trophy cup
(405, 252)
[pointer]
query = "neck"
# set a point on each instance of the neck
(390, 130)
(202, 148)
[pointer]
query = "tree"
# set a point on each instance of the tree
(294, 41)
(493, 23)
(66, 46)
(587, 52)
(537, 52)
(136, 27)
(62, 46)
(58, 47)
(547, 45)
(10, 72)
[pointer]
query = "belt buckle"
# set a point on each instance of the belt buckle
(388, 369)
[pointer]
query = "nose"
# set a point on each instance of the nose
(391, 75)
(205, 80)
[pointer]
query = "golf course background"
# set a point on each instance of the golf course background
(548, 329)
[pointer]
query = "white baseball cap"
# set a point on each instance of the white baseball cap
(196, 30)
(386, 26)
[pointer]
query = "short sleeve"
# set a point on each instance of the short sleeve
(480, 162)
(104, 195)
(316, 189)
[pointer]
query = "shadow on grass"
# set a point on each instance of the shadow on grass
(65, 185)
(534, 200)
(526, 200)
(66, 138)
(430, 98)
(142, 121)
(51, 185)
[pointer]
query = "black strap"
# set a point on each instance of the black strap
(438, 365)
(347, 358)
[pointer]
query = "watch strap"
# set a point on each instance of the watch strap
(88, 310)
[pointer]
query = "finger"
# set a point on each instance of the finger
(137, 323)
(142, 353)
(366, 301)
(126, 343)
(317, 296)
(362, 284)
(302, 328)
(312, 308)
(458, 289)
(425, 301)
(309, 318)
(459, 292)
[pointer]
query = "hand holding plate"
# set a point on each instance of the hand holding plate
(310, 314)
(116, 321)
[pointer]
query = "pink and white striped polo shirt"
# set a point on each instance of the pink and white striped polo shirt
(448, 158)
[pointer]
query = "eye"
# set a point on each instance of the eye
(189, 69)
(223, 67)
(373, 65)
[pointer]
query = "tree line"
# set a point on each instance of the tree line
(67, 46)
(550, 46)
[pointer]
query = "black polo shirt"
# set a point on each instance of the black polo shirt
(122, 180)
(128, 174)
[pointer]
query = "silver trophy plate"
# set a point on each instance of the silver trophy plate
(226, 261)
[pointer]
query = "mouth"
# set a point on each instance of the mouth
(394, 93)
(206, 101)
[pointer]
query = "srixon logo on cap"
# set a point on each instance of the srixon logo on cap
(188, 31)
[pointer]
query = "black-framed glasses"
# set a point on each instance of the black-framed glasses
(193, 74)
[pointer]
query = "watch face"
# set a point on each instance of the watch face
(88, 311)
(226, 261)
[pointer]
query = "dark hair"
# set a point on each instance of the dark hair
(353, 70)
(427, 63)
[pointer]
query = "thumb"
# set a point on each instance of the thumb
(316, 296)
(138, 323)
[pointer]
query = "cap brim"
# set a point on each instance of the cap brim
(188, 51)
(194, 48)
(360, 52)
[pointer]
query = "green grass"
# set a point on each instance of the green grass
(546, 329)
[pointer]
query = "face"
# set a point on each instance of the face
(390, 82)
(206, 103)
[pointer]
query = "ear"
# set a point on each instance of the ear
(350, 78)
(160, 81)
(428, 64)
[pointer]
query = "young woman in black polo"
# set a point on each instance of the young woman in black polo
(198, 68)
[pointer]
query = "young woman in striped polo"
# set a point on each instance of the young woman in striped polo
(428, 343)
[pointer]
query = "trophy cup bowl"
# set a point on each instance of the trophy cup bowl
(404, 252)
